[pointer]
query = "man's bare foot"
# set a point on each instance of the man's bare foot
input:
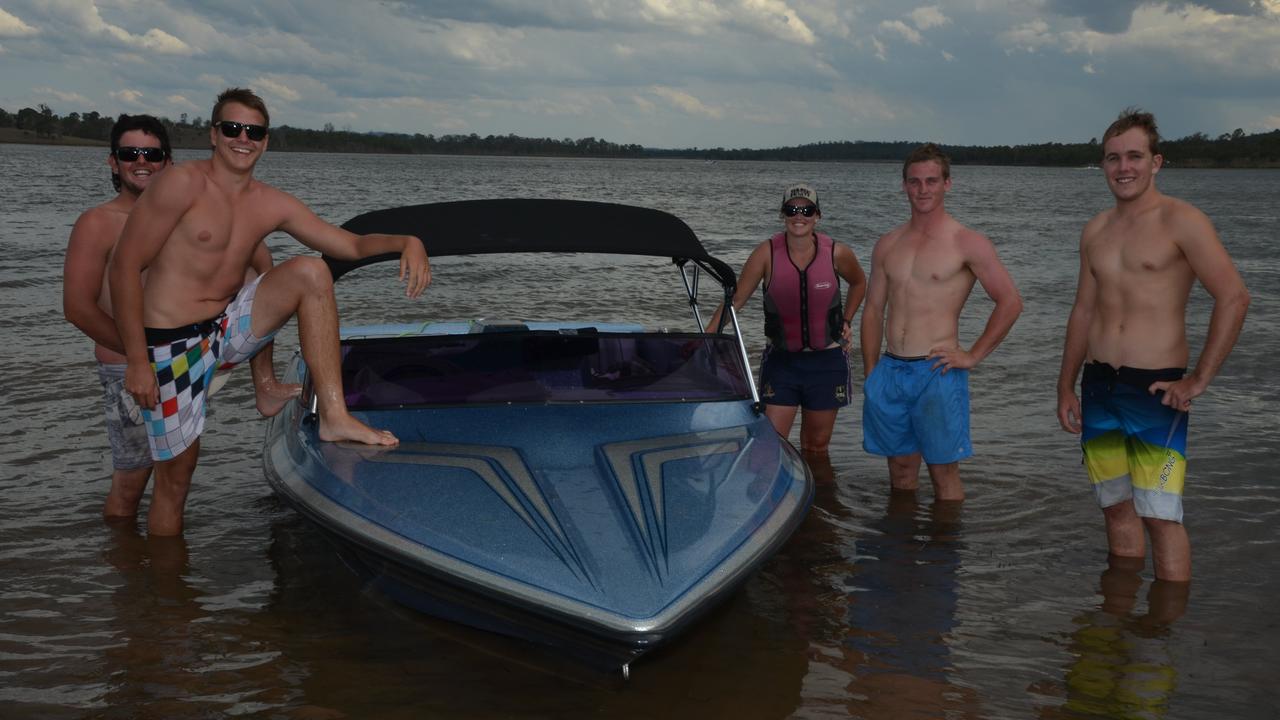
(272, 397)
(349, 428)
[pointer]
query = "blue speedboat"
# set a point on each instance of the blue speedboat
(592, 486)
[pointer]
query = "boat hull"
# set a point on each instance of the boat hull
(603, 529)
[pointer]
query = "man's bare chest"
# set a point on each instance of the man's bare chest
(1134, 254)
(923, 263)
(217, 228)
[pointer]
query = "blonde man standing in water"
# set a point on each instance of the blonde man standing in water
(917, 393)
(1127, 328)
(195, 232)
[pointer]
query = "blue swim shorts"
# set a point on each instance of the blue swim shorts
(810, 379)
(909, 407)
(1134, 446)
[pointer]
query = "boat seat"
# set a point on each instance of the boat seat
(490, 326)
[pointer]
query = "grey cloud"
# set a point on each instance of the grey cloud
(1108, 16)
(1114, 16)
(578, 68)
(1231, 7)
(557, 14)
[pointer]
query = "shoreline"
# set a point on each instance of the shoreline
(181, 140)
(196, 140)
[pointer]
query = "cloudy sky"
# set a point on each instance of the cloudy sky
(663, 73)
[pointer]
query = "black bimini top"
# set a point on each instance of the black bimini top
(476, 227)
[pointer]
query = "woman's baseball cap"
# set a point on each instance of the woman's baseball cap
(801, 191)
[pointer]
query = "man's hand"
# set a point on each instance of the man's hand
(415, 269)
(951, 359)
(140, 382)
(1178, 393)
(1069, 411)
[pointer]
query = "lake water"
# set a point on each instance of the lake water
(875, 609)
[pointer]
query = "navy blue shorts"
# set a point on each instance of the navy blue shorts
(813, 380)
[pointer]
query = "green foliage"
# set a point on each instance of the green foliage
(329, 140)
(1235, 149)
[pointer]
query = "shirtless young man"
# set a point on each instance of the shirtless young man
(917, 394)
(139, 151)
(195, 232)
(1138, 261)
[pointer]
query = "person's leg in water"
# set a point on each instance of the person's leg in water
(946, 481)
(904, 472)
(782, 417)
(816, 428)
(125, 495)
(169, 496)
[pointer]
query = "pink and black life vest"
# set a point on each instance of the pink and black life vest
(802, 306)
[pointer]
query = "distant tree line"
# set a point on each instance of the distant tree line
(1234, 149)
(286, 137)
(44, 123)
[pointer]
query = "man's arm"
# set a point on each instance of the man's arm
(1214, 269)
(1076, 346)
(88, 250)
(749, 279)
(310, 230)
(848, 267)
(871, 334)
(153, 219)
(981, 258)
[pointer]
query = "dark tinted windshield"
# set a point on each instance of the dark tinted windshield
(540, 367)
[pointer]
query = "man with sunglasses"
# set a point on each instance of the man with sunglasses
(195, 232)
(916, 394)
(140, 150)
(805, 366)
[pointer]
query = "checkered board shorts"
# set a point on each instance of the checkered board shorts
(184, 360)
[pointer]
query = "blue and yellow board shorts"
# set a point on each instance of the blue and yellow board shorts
(1134, 447)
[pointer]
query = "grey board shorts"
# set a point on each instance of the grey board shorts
(125, 430)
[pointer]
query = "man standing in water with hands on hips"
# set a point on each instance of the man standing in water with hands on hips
(1127, 329)
(139, 152)
(917, 393)
(195, 232)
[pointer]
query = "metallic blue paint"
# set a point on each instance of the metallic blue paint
(618, 500)
(602, 528)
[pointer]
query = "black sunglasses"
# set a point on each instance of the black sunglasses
(805, 210)
(231, 129)
(130, 154)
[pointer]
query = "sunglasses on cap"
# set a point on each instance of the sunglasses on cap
(794, 210)
(231, 129)
(130, 154)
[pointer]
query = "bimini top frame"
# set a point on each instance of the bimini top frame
(522, 225)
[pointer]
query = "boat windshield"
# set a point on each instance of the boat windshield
(541, 367)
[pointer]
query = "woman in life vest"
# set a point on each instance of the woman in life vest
(806, 319)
